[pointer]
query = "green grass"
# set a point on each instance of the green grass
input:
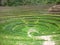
(15, 23)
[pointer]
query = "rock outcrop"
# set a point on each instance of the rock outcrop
(54, 9)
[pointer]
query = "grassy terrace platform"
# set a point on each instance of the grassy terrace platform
(16, 22)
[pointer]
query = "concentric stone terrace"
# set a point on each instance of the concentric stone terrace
(16, 28)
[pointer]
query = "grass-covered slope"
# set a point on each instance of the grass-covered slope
(15, 24)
